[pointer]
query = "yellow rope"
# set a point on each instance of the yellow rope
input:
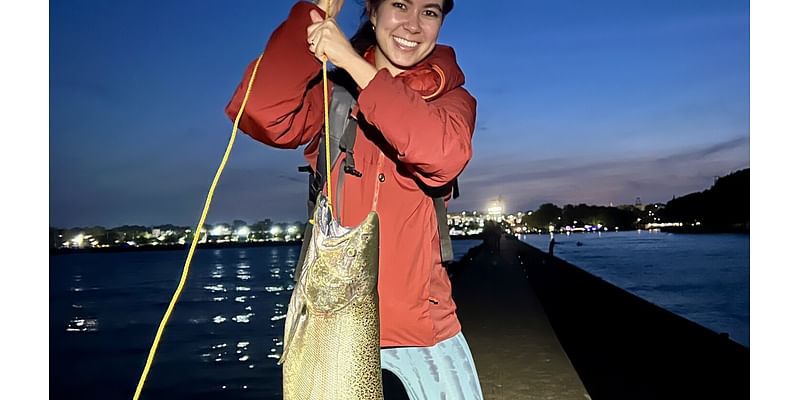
(327, 123)
(195, 238)
(210, 195)
(327, 128)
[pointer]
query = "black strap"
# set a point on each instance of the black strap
(342, 133)
(346, 144)
(444, 230)
(343, 128)
(343, 137)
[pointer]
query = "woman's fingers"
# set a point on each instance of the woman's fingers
(316, 43)
(331, 7)
(316, 23)
(319, 51)
(315, 17)
(325, 39)
(313, 27)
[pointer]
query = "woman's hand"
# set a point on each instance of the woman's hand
(335, 6)
(327, 41)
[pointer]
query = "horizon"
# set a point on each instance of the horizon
(302, 220)
(577, 103)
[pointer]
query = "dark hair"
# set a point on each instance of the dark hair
(364, 38)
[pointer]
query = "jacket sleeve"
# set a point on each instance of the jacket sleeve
(434, 139)
(285, 105)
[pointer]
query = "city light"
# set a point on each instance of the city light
(78, 240)
(460, 223)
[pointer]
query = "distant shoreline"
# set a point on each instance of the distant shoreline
(706, 229)
(185, 247)
(170, 247)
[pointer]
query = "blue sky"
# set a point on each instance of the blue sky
(578, 102)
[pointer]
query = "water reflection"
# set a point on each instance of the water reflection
(225, 332)
(81, 321)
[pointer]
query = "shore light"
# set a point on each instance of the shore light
(495, 210)
(78, 240)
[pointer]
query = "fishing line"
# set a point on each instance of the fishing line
(210, 195)
(196, 237)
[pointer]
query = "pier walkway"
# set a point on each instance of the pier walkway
(516, 351)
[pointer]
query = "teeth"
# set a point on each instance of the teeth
(406, 43)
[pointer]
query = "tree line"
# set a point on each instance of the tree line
(724, 206)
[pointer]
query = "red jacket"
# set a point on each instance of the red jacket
(423, 121)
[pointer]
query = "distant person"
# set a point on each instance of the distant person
(492, 231)
(551, 246)
(415, 122)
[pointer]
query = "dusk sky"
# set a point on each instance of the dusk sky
(578, 102)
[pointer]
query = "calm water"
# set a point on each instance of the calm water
(223, 339)
(225, 334)
(705, 278)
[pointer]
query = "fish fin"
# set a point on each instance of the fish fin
(298, 312)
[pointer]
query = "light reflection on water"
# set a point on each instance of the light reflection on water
(223, 339)
(225, 333)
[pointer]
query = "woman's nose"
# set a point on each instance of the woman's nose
(412, 23)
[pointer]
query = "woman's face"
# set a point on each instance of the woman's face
(406, 31)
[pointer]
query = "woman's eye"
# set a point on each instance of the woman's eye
(399, 5)
(430, 13)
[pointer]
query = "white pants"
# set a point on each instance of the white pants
(443, 371)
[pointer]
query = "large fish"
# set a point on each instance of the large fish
(332, 336)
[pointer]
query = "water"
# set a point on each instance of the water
(225, 335)
(705, 278)
(223, 340)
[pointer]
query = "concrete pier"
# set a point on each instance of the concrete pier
(516, 351)
(541, 328)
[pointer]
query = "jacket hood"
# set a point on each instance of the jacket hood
(436, 74)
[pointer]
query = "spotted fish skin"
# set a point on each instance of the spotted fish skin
(332, 333)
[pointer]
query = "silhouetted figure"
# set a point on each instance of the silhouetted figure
(491, 235)
(551, 246)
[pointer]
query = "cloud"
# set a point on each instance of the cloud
(525, 184)
(254, 191)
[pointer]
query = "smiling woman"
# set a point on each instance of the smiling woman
(413, 126)
(406, 31)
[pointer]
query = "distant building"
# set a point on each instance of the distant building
(495, 210)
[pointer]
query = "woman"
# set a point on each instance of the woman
(415, 125)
